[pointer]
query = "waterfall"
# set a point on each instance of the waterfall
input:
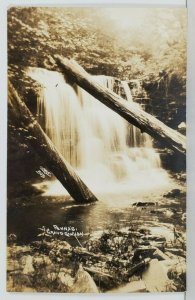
(110, 155)
(127, 91)
(137, 89)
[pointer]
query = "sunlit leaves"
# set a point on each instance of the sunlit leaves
(97, 41)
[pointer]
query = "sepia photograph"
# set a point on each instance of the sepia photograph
(96, 151)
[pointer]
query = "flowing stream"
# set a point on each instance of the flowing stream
(115, 160)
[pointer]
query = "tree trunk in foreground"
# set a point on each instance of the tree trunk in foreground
(129, 111)
(32, 131)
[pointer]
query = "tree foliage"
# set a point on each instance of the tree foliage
(97, 41)
(128, 43)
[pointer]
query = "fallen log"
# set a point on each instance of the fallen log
(105, 277)
(85, 253)
(102, 279)
(138, 267)
(32, 131)
(129, 111)
(98, 273)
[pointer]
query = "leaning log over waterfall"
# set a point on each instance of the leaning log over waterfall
(32, 131)
(129, 111)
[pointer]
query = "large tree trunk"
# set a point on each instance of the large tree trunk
(129, 111)
(32, 131)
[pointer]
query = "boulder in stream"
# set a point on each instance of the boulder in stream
(65, 280)
(144, 204)
(83, 283)
(137, 286)
(28, 267)
(173, 193)
(155, 277)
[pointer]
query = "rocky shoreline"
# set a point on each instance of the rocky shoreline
(149, 256)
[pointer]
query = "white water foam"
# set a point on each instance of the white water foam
(113, 158)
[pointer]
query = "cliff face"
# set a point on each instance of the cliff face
(166, 98)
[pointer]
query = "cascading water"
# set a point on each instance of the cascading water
(113, 157)
(137, 89)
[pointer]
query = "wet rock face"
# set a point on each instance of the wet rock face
(83, 283)
(13, 265)
(174, 193)
(163, 211)
(144, 204)
(65, 280)
(137, 286)
(177, 269)
(155, 278)
(172, 161)
(28, 268)
(41, 261)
